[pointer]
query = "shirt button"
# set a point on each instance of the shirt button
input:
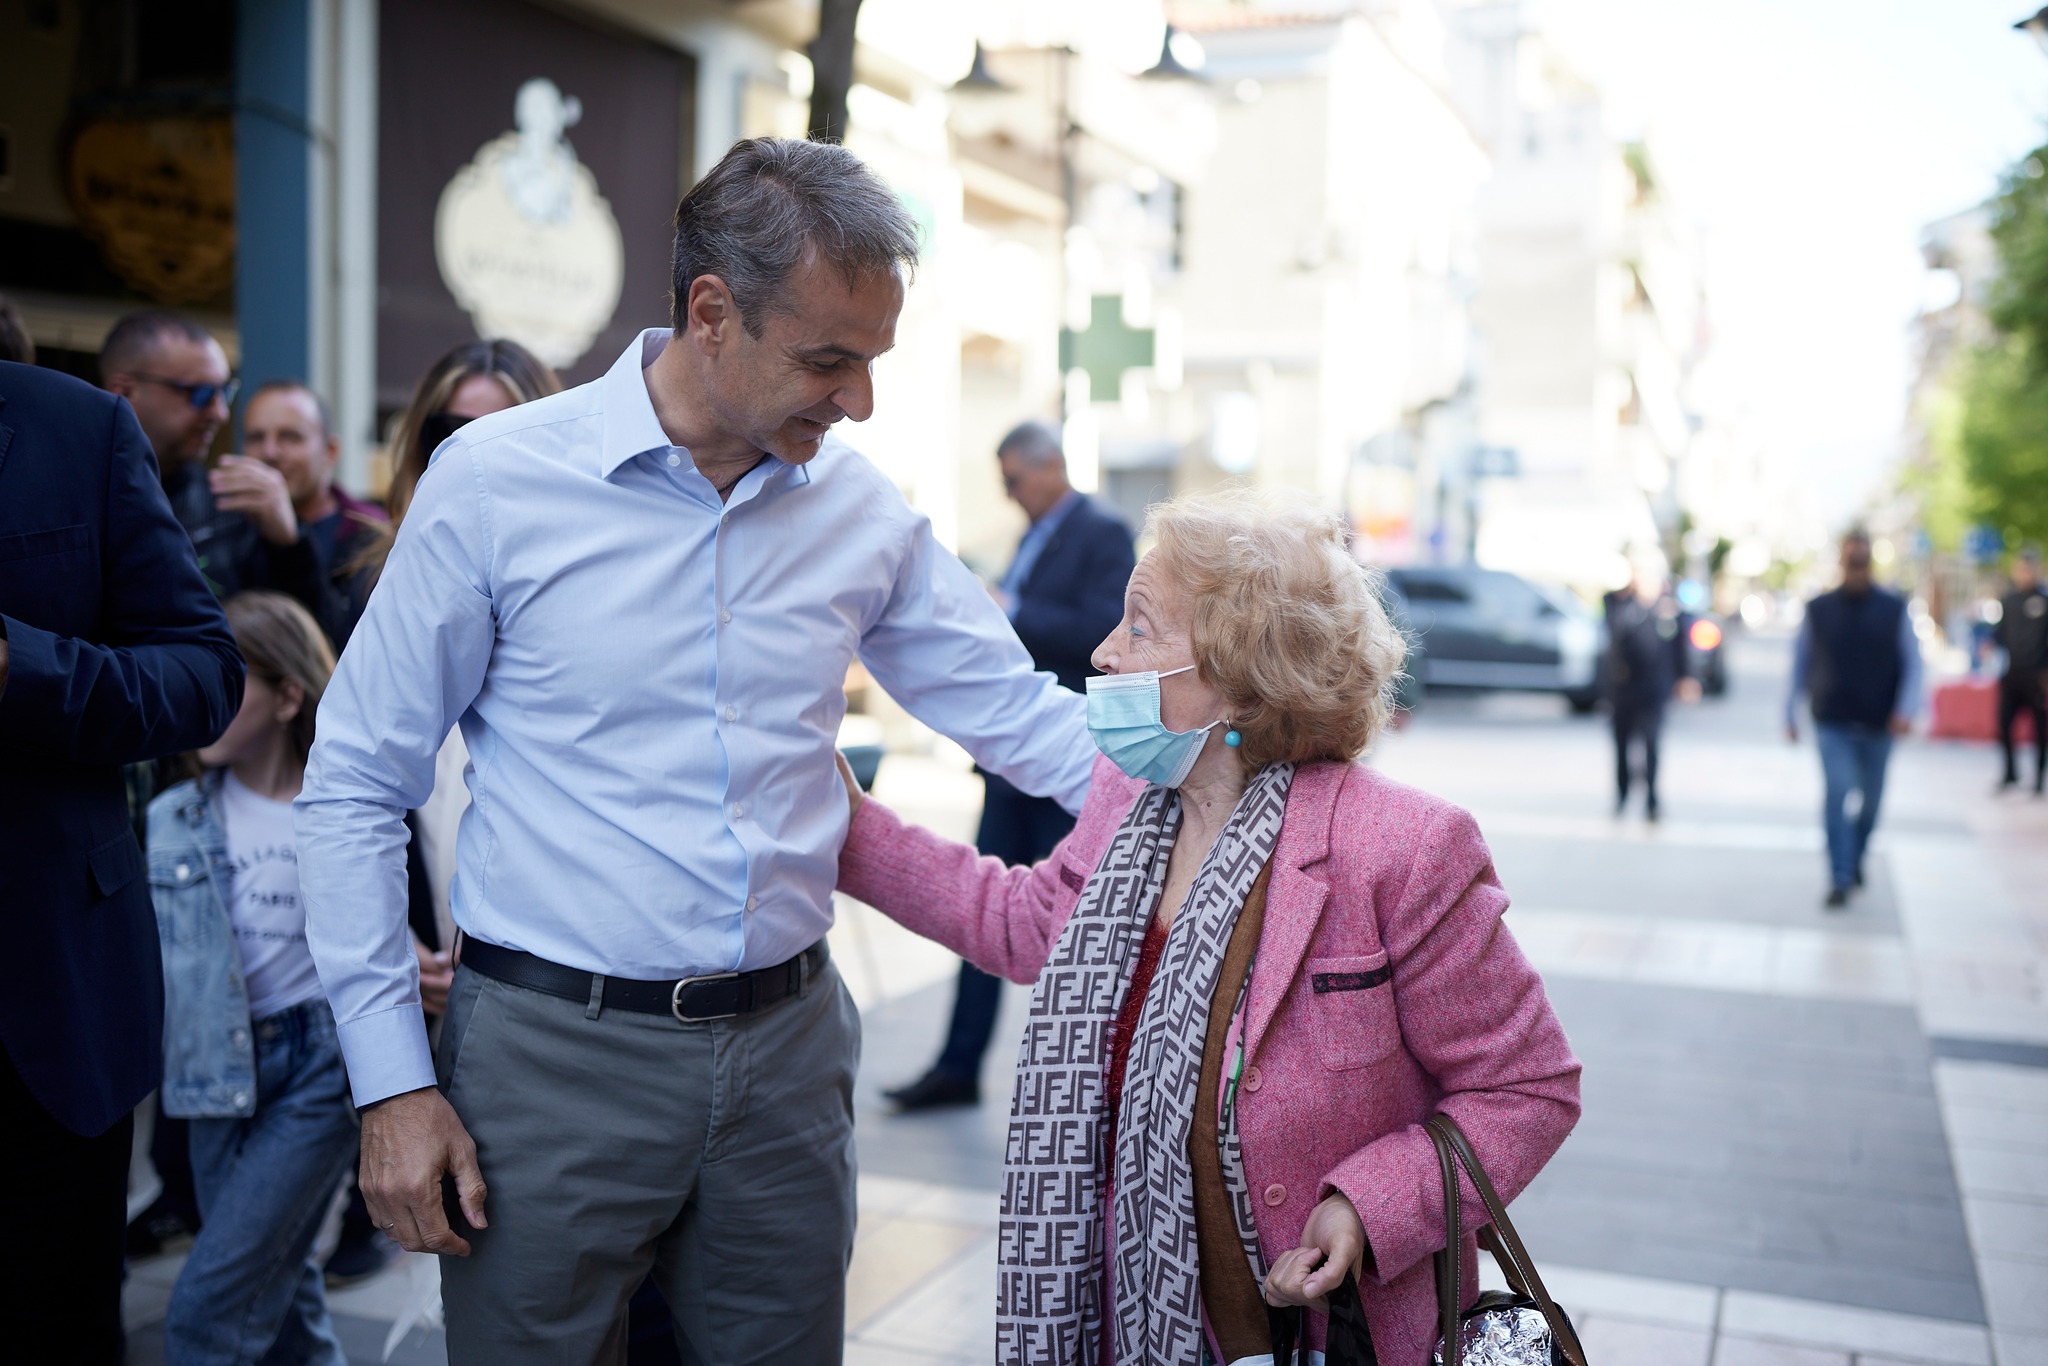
(239, 1037)
(674, 460)
(724, 615)
(732, 713)
(739, 809)
(1276, 1195)
(751, 902)
(1252, 1079)
(182, 871)
(241, 1099)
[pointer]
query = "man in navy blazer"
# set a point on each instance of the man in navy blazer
(112, 651)
(1064, 592)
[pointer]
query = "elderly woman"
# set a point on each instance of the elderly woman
(1260, 968)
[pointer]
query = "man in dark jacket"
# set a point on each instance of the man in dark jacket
(1645, 665)
(288, 427)
(112, 651)
(1858, 659)
(2023, 634)
(239, 515)
(1064, 592)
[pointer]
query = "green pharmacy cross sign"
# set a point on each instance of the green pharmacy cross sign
(1107, 348)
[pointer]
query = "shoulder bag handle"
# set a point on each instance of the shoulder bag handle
(1453, 1150)
(1448, 1277)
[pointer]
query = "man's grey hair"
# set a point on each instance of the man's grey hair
(1035, 443)
(135, 338)
(768, 206)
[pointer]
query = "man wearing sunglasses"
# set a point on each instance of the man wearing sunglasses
(238, 514)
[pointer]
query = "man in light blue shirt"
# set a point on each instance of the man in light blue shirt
(639, 599)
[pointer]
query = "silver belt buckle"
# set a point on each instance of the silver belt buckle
(675, 998)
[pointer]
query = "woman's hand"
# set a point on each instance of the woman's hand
(1332, 1244)
(437, 974)
(854, 796)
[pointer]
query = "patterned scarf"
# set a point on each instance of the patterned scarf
(1050, 1242)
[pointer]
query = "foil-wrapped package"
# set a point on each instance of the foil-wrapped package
(1508, 1335)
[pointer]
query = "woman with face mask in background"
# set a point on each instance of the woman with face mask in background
(1260, 967)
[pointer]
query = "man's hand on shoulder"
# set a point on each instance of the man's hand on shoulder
(410, 1141)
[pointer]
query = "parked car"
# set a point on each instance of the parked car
(1407, 688)
(1488, 629)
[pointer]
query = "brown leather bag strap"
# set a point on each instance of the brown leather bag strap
(1449, 1280)
(1516, 1264)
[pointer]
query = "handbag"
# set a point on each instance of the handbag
(1521, 1326)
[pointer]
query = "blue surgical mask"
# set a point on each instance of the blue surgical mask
(1123, 716)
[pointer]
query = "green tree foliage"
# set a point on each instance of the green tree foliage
(2019, 225)
(1941, 487)
(2000, 427)
(1997, 430)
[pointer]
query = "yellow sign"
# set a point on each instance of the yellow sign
(158, 194)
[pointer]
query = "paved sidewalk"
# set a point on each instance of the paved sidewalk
(1810, 1138)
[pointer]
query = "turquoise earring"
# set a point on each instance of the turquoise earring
(1232, 738)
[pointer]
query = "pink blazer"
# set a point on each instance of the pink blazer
(1368, 875)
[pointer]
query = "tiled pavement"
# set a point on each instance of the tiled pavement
(1810, 1139)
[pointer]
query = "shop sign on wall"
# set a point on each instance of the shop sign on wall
(157, 192)
(525, 242)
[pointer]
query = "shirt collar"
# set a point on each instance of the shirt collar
(630, 426)
(1057, 513)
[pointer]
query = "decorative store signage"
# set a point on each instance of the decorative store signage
(525, 242)
(157, 192)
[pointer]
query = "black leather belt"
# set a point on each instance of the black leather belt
(719, 996)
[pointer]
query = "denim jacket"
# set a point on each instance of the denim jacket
(209, 1056)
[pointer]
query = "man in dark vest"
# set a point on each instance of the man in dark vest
(1858, 660)
(2023, 635)
(1064, 592)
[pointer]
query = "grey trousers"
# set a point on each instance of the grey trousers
(718, 1154)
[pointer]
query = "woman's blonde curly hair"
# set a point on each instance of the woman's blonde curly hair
(1286, 624)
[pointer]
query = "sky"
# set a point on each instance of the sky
(1810, 141)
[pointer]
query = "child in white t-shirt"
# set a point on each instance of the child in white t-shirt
(250, 1052)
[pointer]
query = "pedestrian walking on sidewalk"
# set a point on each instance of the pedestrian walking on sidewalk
(2022, 632)
(640, 599)
(112, 652)
(1064, 591)
(1260, 967)
(1644, 667)
(1858, 661)
(250, 1054)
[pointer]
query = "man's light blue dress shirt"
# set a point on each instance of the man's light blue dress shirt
(650, 685)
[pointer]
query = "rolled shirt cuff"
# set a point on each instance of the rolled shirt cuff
(387, 1053)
